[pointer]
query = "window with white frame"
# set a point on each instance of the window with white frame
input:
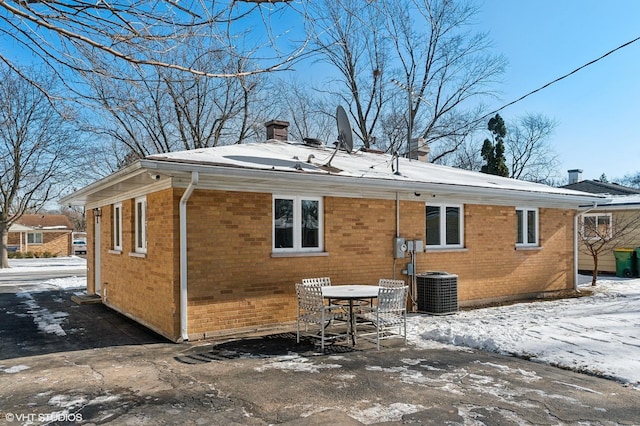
(526, 227)
(297, 224)
(445, 226)
(117, 226)
(34, 237)
(141, 225)
(597, 226)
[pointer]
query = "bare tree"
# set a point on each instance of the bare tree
(66, 35)
(443, 68)
(529, 150)
(155, 109)
(602, 232)
(37, 149)
(348, 34)
(306, 111)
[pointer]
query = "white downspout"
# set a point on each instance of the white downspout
(183, 255)
(395, 261)
(575, 244)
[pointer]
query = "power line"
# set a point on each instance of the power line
(559, 78)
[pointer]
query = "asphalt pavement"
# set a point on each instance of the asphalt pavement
(63, 363)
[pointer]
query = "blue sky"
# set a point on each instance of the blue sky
(598, 108)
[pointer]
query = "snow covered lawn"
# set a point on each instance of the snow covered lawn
(597, 334)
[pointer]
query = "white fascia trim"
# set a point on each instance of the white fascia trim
(358, 185)
(103, 183)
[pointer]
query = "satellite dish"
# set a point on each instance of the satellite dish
(345, 138)
(345, 135)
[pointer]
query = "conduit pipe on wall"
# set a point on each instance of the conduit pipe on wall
(395, 261)
(576, 242)
(183, 256)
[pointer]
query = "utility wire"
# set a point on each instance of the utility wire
(558, 79)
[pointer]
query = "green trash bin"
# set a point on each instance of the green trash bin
(624, 262)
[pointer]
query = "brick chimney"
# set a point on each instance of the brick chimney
(575, 176)
(277, 129)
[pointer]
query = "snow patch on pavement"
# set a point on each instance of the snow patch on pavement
(14, 369)
(295, 362)
(47, 322)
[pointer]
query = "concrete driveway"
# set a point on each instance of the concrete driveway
(65, 363)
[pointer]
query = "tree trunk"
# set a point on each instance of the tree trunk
(594, 276)
(4, 254)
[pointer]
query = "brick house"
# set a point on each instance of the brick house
(201, 243)
(41, 233)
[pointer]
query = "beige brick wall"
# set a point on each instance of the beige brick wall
(145, 287)
(492, 269)
(235, 283)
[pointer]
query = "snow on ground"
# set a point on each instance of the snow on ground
(52, 263)
(597, 334)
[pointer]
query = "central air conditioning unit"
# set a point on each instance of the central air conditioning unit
(437, 292)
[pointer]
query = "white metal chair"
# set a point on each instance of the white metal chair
(389, 316)
(313, 311)
(321, 281)
(384, 282)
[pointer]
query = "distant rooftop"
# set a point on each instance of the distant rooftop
(597, 187)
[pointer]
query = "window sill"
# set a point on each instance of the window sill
(301, 254)
(528, 248)
(114, 252)
(139, 255)
(446, 249)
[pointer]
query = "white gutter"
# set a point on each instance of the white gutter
(392, 186)
(183, 255)
(575, 244)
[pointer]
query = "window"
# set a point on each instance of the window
(597, 226)
(34, 237)
(141, 225)
(117, 226)
(297, 224)
(526, 227)
(444, 226)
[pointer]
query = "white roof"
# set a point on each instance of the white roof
(280, 166)
(621, 202)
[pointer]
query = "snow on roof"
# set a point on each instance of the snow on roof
(623, 200)
(302, 158)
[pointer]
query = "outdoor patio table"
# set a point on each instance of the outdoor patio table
(351, 293)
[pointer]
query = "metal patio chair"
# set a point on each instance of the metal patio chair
(321, 281)
(312, 311)
(388, 317)
(384, 282)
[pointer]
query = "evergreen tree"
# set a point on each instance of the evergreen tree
(493, 152)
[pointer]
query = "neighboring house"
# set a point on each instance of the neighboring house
(622, 209)
(211, 241)
(41, 233)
